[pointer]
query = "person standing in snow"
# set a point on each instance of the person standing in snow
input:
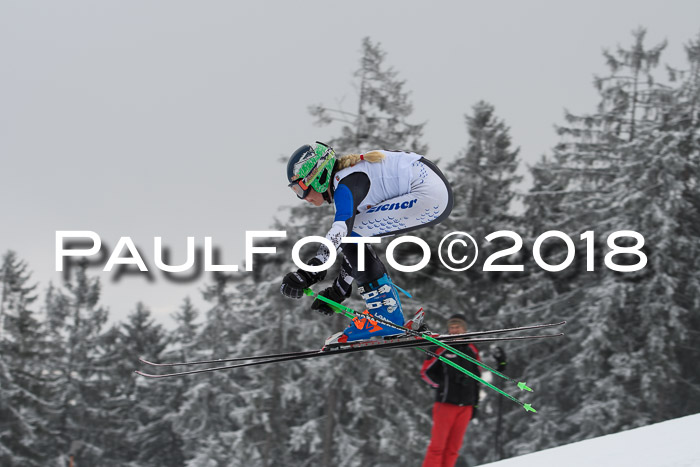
(456, 397)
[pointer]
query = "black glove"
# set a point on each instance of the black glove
(500, 356)
(334, 293)
(475, 411)
(294, 283)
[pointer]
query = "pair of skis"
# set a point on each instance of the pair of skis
(388, 343)
(410, 338)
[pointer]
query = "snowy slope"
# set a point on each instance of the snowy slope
(675, 443)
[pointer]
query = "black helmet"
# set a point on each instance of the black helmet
(310, 167)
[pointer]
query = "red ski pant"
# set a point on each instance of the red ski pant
(449, 424)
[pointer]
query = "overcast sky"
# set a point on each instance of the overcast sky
(167, 118)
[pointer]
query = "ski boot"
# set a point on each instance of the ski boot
(382, 299)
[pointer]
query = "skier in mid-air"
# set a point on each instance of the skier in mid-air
(376, 194)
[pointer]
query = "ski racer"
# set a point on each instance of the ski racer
(375, 194)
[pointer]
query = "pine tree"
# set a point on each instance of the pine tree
(76, 321)
(484, 174)
(671, 179)
(210, 413)
(185, 333)
(382, 109)
(23, 406)
(623, 168)
(483, 181)
(150, 407)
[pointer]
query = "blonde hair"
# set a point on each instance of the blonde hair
(351, 159)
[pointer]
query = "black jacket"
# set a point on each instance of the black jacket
(453, 386)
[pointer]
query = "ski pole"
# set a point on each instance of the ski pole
(527, 407)
(350, 313)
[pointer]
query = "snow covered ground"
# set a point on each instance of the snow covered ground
(675, 443)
